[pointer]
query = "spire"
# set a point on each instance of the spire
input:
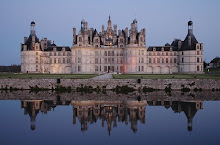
(109, 24)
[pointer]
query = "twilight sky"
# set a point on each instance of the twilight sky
(163, 20)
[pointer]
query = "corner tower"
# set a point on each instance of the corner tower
(30, 52)
(191, 53)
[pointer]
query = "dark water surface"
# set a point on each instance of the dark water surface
(135, 119)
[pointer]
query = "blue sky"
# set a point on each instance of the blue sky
(163, 20)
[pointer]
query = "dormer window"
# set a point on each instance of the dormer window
(63, 49)
(171, 49)
(54, 49)
(162, 49)
(154, 49)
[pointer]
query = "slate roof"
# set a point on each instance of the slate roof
(29, 42)
(185, 45)
(159, 48)
(50, 48)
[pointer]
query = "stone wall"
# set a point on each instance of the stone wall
(175, 84)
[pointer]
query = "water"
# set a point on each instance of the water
(132, 119)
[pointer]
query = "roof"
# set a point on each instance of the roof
(185, 44)
(50, 48)
(29, 42)
(159, 48)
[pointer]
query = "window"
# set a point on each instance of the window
(174, 60)
(59, 60)
(63, 53)
(59, 54)
(68, 60)
(121, 40)
(105, 53)
(80, 39)
(166, 53)
(96, 60)
(149, 60)
(36, 53)
(105, 68)
(197, 52)
(197, 68)
(171, 60)
(96, 68)
(139, 68)
(197, 59)
(158, 60)
(50, 60)
(182, 53)
(64, 60)
(142, 52)
(166, 60)
(105, 60)
(182, 60)
(154, 60)
(142, 60)
(79, 60)
(109, 53)
(96, 40)
(79, 68)
(50, 54)
(141, 39)
(113, 53)
(55, 61)
(55, 54)
(162, 60)
(142, 68)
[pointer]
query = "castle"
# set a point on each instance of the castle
(111, 50)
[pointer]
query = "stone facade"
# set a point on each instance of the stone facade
(111, 50)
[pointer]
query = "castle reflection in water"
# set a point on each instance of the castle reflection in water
(110, 112)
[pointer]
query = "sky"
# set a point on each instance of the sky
(163, 20)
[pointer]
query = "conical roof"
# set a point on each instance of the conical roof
(29, 42)
(186, 45)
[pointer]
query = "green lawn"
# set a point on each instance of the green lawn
(167, 76)
(46, 76)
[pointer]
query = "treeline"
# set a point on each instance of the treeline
(12, 68)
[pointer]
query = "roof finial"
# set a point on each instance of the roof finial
(109, 18)
(53, 41)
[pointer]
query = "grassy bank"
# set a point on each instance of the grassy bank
(46, 76)
(166, 76)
